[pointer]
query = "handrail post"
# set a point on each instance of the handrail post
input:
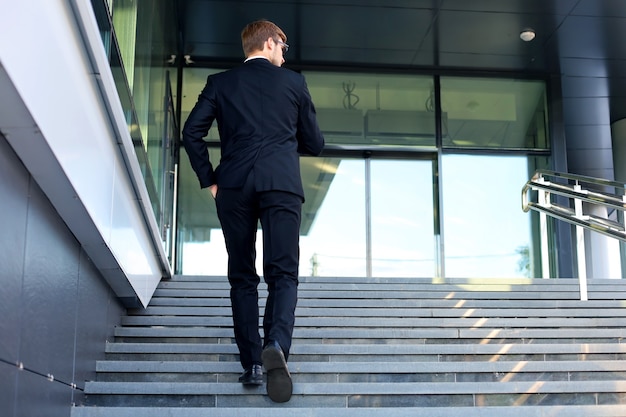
(580, 247)
(543, 199)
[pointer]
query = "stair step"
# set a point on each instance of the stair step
(400, 294)
(334, 368)
(491, 350)
(289, 411)
(386, 333)
(414, 311)
(412, 322)
(543, 285)
(339, 388)
(448, 295)
(404, 303)
(469, 282)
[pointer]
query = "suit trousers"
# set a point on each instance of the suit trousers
(239, 211)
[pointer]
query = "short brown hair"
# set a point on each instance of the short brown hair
(256, 33)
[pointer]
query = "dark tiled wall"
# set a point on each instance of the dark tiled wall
(587, 120)
(56, 311)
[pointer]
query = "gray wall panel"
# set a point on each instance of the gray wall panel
(591, 159)
(13, 206)
(36, 396)
(589, 137)
(585, 110)
(588, 130)
(50, 291)
(586, 87)
(8, 384)
(57, 309)
(94, 296)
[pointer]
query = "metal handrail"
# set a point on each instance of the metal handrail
(555, 189)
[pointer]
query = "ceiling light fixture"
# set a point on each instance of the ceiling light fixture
(527, 35)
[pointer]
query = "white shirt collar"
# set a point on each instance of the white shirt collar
(255, 57)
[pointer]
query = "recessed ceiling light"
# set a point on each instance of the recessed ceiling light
(527, 35)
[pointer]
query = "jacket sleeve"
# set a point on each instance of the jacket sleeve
(310, 138)
(196, 128)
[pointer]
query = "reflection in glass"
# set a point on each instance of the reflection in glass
(332, 237)
(493, 113)
(332, 233)
(137, 46)
(374, 109)
(124, 14)
(366, 214)
(200, 242)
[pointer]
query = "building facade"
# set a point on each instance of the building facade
(435, 115)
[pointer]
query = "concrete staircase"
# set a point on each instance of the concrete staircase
(378, 347)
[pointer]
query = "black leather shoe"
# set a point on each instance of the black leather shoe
(252, 376)
(279, 385)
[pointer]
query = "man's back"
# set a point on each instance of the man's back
(264, 116)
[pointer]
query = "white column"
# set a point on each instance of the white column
(602, 252)
(618, 138)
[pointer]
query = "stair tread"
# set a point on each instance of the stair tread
(544, 285)
(377, 349)
(380, 312)
(402, 303)
(397, 322)
(538, 294)
(359, 388)
(371, 367)
(385, 333)
(287, 410)
(411, 280)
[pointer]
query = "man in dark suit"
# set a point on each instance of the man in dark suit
(266, 119)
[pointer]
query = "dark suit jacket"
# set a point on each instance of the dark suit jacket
(265, 118)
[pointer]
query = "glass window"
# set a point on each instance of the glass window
(374, 109)
(486, 233)
(125, 26)
(493, 113)
(137, 45)
(200, 242)
(374, 213)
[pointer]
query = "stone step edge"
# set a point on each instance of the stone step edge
(360, 388)
(377, 349)
(387, 312)
(384, 333)
(432, 280)
(286, 411)
(412, 287)
(396, 322)
(413, 295)
(409, 304)
(507, 367)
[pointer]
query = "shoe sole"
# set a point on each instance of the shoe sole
(279, 385)
(253, 383)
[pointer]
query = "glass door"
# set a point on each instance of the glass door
(361, 217)
(368, 217)
(402, 218)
